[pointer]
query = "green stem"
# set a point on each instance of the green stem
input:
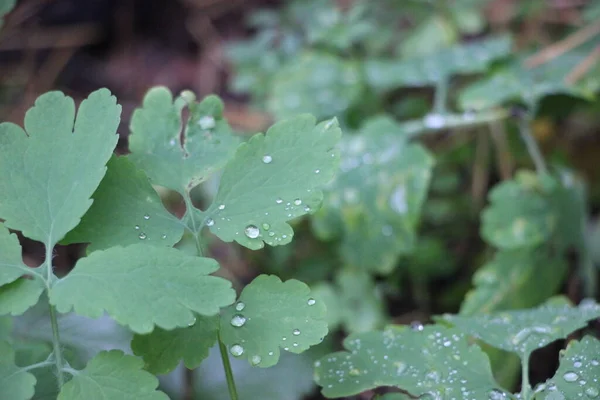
(228, 372)
(441, 95)
(189, 206)
(415, 128)
(58, 357)
(532, 147)
(525, 386)
(37, 365)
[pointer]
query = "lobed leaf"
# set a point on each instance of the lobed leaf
(54, 166)
(270, 314)
(142, 286)
(126, 209)
(273, 179)
(577, 375)
(112, 375)
(162, 349)
(430, 360)
(16, 383)
(524, 331)
(206, 143)
(18, 296)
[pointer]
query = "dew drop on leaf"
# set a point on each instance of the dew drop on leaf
(297, 202)
(236, 350)
(142, 236)
(317, 171)
(137, 227)
(306, 208)
(192, 322)
(164, 236)
(240, 306)
(252, 231)
(311, 302)
(279, 201)
(495, 394)
(210, 222)
(398, 200)
(267, 159)
(354, 372)
(255, 360)
(206, 122)
(222, 207)
(570, 376)
(238, 320)
(592, 392)
(296, 332)
(416, 326)
(146, 217)
(271, 234)
(266, 226)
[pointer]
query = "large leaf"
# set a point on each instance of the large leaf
(378, 196)
(16, 383)
(126, 209)
(577, 375)
(207, 141)
(429, 360)
(162, 350)
(524, 331)
(273, 179)
(51, 171)
(271, 314)
(317, 83)
(112, 375)
(142, 286)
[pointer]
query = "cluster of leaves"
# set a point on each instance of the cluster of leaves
(62, 184)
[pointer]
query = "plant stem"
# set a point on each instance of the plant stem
(532, 147)
(37, 365)
(525, 386)
(228, 372)
(58, 358)
(441, 95)
(189, 206)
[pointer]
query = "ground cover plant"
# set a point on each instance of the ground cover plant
(416, 218)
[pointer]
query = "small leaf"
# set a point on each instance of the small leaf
(320, 84)
(141, 286)
(162, 350)
(524, 331)
(270, 314)
(577, 375)
(273, 179)
(126, 209)
(18, 296)
(115, 376)
(519, 215)
(432, 360)
(16, 383)
(56, 166)
(362, 304)
(11, 261)
(155, 144)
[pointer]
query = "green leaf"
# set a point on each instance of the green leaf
(11, 261)
(162, 350)
(141, 286)
(16, 383)
(431, 35)
(155, 145)
(320, 84)
(328, 294)
(515, 279)
(273, 179)
(377, 197)
(524, 331)
(112, 375)
(362, 305)
(18, 296)
(270, 314)
(577, 375)
(428, 70)
(519, 215)
(6, 6)
(429, 360)
(56, 166)
(126, 209)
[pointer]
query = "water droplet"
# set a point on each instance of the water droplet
(577, 364)
(434, 121)
(279, 201)
(296, 332)
(271, 353)
(266, 226)
(222, 207)
(164, 236)
(592, 392)
(238, 320)
(495, 394)
(236, 350)
(192, 322)
(286, 348)
(400, 367)
(240, 306)
(271, 234)
(416, 326)
(306, 208)
(255, 360)
(398, 200)
(142, 235)
(317, 171)
(311, 302)
(295, 344)
(206, 122)
(297, 202)
(172, 142)
(570, 376)
(146, 217)
(210, 222)
(267, 159)
(137, 227)
(252, 231)
(521, 336)
(354, 372)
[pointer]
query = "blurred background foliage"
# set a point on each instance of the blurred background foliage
(469, 180)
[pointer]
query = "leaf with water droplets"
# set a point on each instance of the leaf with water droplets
(378, 196)
(162, 350)
(56, 163)
(275, 315)
(112, 375)
(434, 360)
(524, 331)
(520, 213)
(156, 146)
(142, 286)
(578, 375)
(431, 68)
(126, 209)
(256, 200)
(321, 84)
(16, 383)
